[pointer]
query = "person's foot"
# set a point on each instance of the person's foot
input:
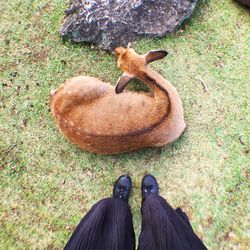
(149, 186)
(122, 188)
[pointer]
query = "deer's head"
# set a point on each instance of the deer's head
(132, 63)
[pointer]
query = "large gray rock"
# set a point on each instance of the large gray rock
(113, 23)
(244, 2)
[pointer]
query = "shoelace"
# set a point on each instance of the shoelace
(148, 190)
(122, 192)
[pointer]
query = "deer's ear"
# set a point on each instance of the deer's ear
(119, 51)
(154, 55)
(122, 83)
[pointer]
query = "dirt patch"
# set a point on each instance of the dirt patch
(40, 56)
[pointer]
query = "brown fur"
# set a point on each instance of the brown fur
(91, 115)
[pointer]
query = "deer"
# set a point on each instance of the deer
(104, 119)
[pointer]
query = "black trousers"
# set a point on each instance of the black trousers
(108, 225)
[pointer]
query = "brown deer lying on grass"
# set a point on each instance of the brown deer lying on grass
(95, 116)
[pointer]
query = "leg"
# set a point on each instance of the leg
(77, 90)
(81, 89)
(108, 225)
(183, 216)
(163, 227)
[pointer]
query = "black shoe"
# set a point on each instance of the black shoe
(122, 188)
(149, 186)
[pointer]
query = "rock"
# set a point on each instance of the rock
(113, 23)
(244, 2)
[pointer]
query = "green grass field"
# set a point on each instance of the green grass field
(47, 184)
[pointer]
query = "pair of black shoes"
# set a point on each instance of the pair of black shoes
(123, 185)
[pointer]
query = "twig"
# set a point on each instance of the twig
(9, 148)
(241, 141)
(204, 85)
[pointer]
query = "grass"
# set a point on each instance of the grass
(47, 184)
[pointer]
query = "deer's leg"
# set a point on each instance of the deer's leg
(78, 90)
